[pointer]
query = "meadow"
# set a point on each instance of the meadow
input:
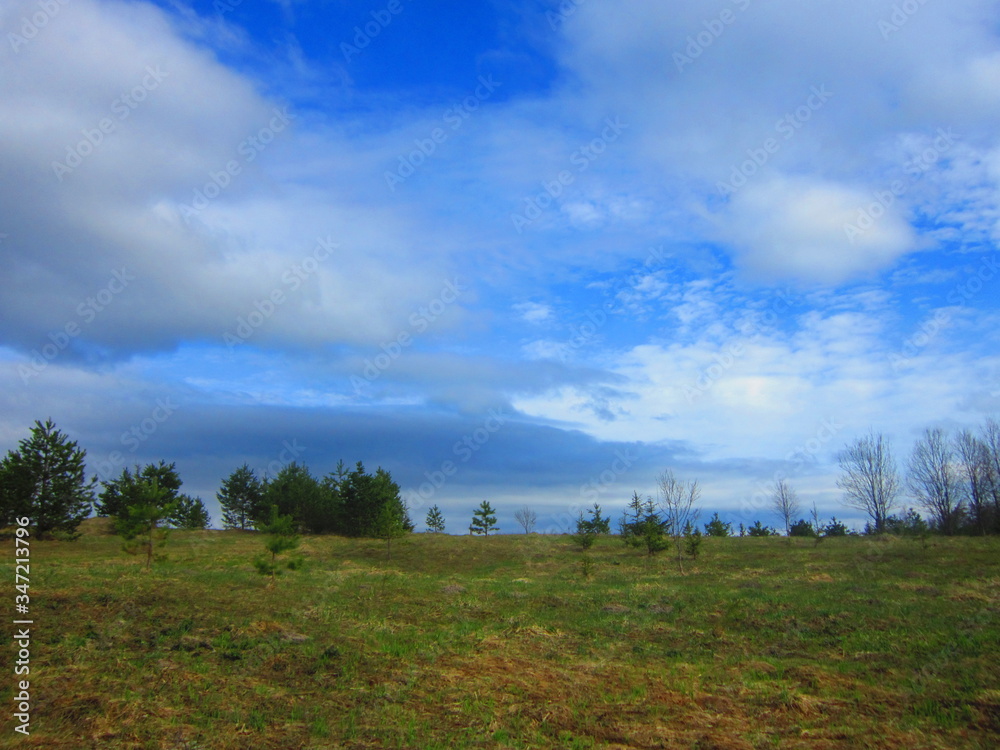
(519, 641)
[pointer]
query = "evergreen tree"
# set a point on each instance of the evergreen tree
(484, 519)
(435, 521)
(642, 526)
(190, 513)
(389, 525)
(596, 524)
(241, 498)
(758, 529)
(44, 479)
(281, 538)
(337, 486)
(584, 536)
(387, 493)
(801, 528)
(910, 524)
(296, 493)
(836, 528)
(141, 524)
(630, 516)
(362, 498)
(717, 527)
(587, 529)
(119, 494)
(692, 541)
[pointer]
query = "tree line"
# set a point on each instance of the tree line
(352, 503)
(44, 479)
(953, 479)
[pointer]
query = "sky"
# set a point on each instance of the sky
(534, 253)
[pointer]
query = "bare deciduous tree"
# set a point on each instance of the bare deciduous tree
(976, 467)
(526, 517)
(871, 480)
(934, 480)
(991, 441)
(677, 500)
(785, 502)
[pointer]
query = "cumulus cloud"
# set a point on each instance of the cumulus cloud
(816, 231)
(127, 146)
(169, 227)
(704, 89)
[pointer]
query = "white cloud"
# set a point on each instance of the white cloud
(756, 72)
(142, 121)
(533, 312)
(815, 231)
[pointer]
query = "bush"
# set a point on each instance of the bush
(588, 529)
(801, 528)
(642, 526)
(911, 524)
(835, 528)
(692, 543)
(716, 527)
(281, 538)
(758, 529)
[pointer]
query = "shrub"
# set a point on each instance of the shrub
(758, 529)
(801, 528)
(716, 527)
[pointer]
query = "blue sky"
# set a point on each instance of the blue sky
(528, 252)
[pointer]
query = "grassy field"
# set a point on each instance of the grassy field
(514, 642)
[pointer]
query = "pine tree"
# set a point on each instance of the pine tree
(241, 498)
(190, 513)
(281, 538)
(596, 524)
(362, 497)
(389, 525)
(588, 529)
(758, 529)
(44, 479)
(717, 527)
(692, 541)
(642, 526)
(435, 521)
(484, 519)
(127, 489)
(141, 525)
(584, 536)
(298, 494)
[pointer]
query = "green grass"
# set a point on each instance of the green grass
(508, 642)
